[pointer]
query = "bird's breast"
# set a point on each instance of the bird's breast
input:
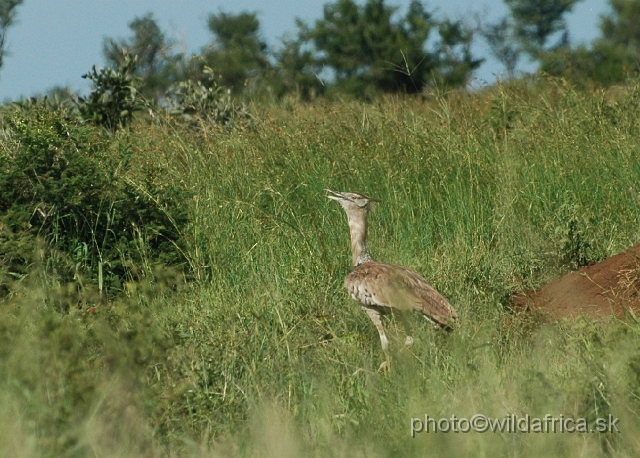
(366, 287)
(360, 292)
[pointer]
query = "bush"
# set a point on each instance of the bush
(73, 187)
(114, 97)
(196, 101)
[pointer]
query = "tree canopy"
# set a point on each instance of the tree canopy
(236, 53)
(368, 46)
(7, 17)
(537, 21)
(156, 64)
(610, 58)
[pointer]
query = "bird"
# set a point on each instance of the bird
(382, 288)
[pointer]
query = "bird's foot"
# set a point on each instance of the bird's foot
(408, 341)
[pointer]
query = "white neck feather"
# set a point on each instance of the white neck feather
(358, 228)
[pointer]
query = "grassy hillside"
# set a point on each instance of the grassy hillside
(258, 351)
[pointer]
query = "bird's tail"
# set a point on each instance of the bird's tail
(437, 309)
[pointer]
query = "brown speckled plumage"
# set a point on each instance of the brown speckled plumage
(376, 284)
(381, 288)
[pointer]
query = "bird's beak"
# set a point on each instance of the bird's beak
(340, 196)
(336, 196)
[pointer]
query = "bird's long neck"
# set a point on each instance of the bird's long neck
(358, 228)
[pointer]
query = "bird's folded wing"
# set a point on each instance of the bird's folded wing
(433, 304)
(400, 288)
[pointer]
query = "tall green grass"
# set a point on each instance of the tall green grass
(264, 354)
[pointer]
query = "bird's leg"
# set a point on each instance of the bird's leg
(407, 329)
(375, 317)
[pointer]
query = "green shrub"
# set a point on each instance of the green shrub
(68, 184)
(196, 101)
(578, 247)
(114, 97)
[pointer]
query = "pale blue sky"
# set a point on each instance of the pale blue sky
(54, 42)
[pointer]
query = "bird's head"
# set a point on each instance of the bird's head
(352, 201)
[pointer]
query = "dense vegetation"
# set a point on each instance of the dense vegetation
(171, 274)
(363, 49)
(175, 288)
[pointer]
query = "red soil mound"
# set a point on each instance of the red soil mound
(609, 287)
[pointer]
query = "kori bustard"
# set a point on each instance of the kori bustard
(382, 288)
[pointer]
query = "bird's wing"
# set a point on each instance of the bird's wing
(401, 288)
(433, 304)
